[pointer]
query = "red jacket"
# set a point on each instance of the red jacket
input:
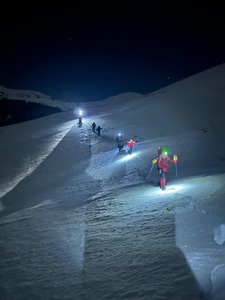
(163, 162)
(131, 143)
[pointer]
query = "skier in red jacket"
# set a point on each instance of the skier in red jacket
(163, 158)
(130, 144)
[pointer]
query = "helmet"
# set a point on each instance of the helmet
(164, 150)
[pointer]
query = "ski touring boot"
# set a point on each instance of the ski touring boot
(163, 183)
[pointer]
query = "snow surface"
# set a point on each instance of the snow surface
(81, 221)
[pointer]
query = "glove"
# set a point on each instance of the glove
(175, 157)
(154, 161)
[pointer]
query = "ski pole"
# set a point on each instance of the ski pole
(176, 168)
(150, 172)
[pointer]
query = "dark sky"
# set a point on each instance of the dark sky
(85, 52)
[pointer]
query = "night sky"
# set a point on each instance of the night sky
(88, 52)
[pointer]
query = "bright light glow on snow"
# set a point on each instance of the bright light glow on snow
(128, 156)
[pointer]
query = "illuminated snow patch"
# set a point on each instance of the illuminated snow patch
(170, 189)
(123, 157)
(127, 156)
(30, 164)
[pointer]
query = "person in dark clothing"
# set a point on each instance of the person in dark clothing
(120, 141)
(80, 122)
(99, 130)
(93, 126)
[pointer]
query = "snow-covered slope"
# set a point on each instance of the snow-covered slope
(81, 221)
(33, 96)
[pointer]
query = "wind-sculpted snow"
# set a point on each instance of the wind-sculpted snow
(219, 234)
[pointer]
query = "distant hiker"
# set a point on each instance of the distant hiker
(159, 151)
(120, 141)
(93, 126)
(162, 160)
(130, 144)
(99, 130)
(80, 122)
(80, 118)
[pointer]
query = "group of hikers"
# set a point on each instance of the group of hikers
(162, 159)
(95, 128)
(121, 143)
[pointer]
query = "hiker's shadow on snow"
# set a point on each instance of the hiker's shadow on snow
(154, 183)
(119, 155)
(119, 165)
